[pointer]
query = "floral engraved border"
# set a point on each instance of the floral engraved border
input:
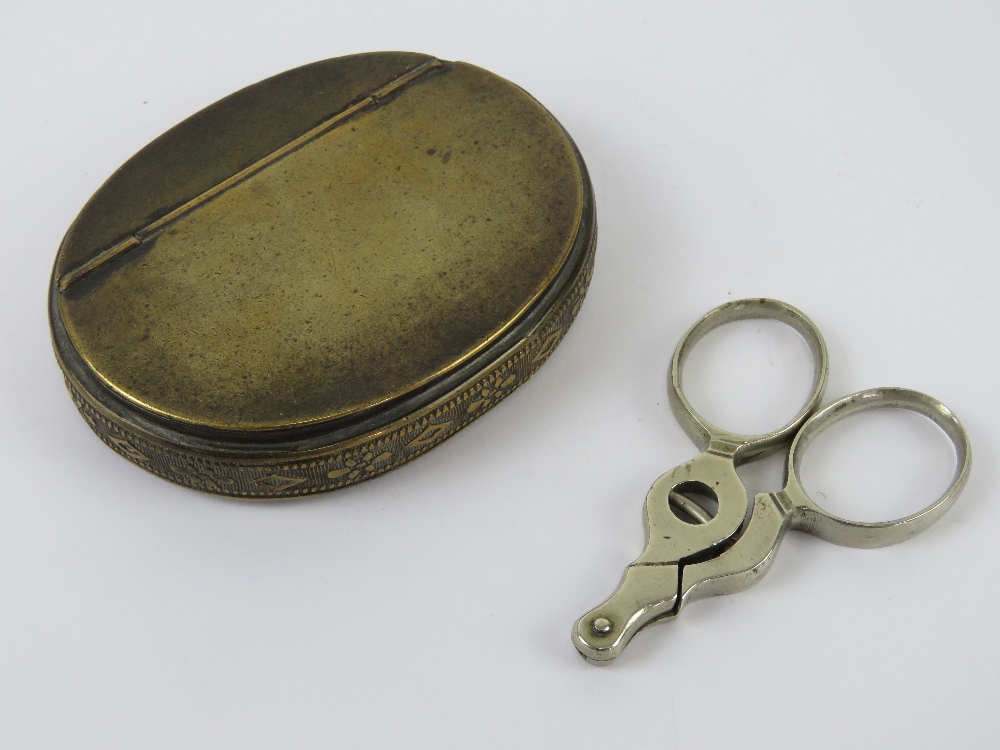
(365, 457)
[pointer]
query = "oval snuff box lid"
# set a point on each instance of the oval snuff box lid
(312, 266)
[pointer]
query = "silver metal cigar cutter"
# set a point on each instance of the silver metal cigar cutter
(703, 535)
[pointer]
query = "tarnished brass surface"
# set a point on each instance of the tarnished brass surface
(317, 260)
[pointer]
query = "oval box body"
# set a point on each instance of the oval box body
(324, 275)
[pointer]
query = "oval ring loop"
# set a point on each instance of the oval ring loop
(812, 518)
(746, 447)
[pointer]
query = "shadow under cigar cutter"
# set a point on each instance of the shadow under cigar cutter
(695, 548)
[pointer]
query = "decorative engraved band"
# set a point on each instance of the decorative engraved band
(355, 460)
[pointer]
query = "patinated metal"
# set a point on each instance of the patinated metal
(324, 275)
(704, 538)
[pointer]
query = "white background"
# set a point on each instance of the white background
(841, 156)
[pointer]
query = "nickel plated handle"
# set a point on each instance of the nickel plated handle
(746, 447)
(679, 530)
(808, 516)
(746, 562)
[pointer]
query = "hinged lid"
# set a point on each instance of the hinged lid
(320, 254)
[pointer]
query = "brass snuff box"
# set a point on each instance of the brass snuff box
(324, 275)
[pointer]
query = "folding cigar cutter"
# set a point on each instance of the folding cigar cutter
(704, 537)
